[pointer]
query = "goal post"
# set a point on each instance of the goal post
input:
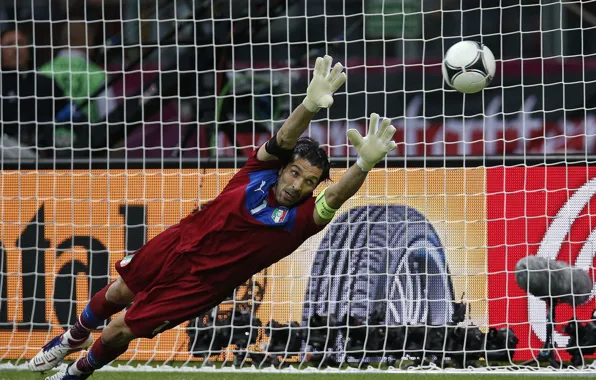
(120, 118)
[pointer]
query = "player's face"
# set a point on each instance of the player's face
(15, 53)
(296, 181)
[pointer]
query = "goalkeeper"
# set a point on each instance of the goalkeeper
(266, 212)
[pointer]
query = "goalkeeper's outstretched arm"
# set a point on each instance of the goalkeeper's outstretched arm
(371, 150)
(319, 94)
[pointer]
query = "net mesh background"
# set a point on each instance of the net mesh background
(118, 118)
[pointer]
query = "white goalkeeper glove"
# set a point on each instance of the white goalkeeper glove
(377, 143)
(319, 93)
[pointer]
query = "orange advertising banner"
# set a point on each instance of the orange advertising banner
(63, 231)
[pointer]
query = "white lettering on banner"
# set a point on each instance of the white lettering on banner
(490, 133)
(337, 138)
(412, 123)
(492, 122)
(490, 136)
(549, 248)
(590, 128)
(452, 131)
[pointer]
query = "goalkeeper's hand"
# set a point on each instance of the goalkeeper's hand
(323, 84)
(377, 143)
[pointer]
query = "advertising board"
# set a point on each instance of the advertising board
(63, 231)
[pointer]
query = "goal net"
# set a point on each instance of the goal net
(120, 118)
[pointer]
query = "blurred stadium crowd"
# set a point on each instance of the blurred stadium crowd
(87, 78)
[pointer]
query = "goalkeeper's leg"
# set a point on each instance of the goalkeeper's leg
(105, 303)
(176, 296)
(113, 342)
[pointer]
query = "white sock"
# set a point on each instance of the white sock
(73, 370)
(66, 336)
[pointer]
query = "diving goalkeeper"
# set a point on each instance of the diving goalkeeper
(266, 212)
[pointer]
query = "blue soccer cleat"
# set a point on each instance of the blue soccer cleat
(53, 353)
(64, 375)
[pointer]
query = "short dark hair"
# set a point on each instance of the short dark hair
(309, 149)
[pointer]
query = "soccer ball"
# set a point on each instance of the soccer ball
(469, 66)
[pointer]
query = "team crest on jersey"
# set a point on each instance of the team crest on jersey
(279, 214)
(256, 206)
(124, 262)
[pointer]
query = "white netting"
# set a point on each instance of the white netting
(119, 118)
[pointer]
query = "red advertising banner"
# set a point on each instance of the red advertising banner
(479, 137)
(545, 211)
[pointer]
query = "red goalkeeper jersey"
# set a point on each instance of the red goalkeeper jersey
(244, 229)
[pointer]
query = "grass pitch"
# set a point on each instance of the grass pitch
(23, 375)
